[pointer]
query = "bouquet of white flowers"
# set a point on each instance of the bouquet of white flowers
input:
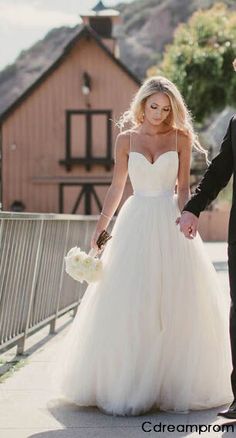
(86, 267)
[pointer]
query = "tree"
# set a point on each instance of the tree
(199, 61)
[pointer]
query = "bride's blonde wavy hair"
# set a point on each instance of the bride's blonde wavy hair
(179, 118)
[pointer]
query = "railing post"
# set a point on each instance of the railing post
(52, 328)
(75, 310)
(53, 323)
(21, 343)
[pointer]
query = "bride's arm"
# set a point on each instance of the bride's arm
(183, 186)
(115, 191)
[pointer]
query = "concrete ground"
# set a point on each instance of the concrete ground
(28, 408)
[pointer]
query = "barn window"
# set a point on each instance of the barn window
(102, 26)
(88, 139)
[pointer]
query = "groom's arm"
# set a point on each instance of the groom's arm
(216, 177)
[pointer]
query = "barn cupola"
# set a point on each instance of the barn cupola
(103, 20)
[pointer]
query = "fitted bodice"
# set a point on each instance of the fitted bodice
(153, 178)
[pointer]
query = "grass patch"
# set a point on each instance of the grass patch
(8, 368)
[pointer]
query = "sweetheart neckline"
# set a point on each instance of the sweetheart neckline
(154, 162)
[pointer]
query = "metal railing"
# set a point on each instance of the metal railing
(34, 287)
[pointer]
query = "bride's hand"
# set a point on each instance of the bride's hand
(94, 239)
(188, 223)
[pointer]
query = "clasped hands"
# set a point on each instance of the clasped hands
(188, 224)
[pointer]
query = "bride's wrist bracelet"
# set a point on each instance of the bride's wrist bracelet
(108, 217)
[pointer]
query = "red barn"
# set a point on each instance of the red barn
(57, 138)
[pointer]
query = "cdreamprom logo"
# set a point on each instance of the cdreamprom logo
(147, 426)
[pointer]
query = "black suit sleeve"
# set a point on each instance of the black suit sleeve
(216, 176)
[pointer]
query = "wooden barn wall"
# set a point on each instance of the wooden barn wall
(37, 127)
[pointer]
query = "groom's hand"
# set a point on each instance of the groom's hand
(188, 223)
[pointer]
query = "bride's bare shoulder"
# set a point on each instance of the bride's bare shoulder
(184, 140)
(125, 135)
(123, 142)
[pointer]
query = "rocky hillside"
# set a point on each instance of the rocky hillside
(147, 26)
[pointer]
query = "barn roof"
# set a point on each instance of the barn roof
(85, 31)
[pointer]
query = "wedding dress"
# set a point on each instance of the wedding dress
(153, 332)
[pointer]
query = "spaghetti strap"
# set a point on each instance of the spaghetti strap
(130, 141)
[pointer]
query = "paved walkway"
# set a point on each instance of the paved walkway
(28, 408)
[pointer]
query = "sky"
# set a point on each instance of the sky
(24, 22)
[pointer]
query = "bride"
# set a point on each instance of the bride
(153, 332)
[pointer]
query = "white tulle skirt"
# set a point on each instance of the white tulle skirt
(153, 333)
